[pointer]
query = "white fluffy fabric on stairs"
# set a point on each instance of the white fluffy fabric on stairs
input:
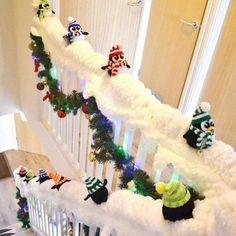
(132, 214)
(16, 230)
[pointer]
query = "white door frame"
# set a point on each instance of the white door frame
(211, 27)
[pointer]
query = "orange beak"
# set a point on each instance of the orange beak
(210, 129)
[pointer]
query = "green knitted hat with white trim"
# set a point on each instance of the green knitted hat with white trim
(29, 175)
(201, 113)
(93, 184)
(175, 194)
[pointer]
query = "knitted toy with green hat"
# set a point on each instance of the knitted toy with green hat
(177, 201)
(201, 131)
(29, 176)
(97, 190)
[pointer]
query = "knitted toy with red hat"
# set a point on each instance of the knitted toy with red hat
(22, 172)
(75, 32)
(116, 61)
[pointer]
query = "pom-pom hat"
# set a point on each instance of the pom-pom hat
(22, 171)
(72, 23)
(93, 184)
(42, 173)
(116, 50)
(174, 193)
(201, 113)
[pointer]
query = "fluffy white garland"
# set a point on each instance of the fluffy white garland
(132, 214)
(123, 97)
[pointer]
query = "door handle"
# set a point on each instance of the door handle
(194, 25)
(134, 3)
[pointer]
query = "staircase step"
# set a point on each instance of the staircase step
(16, 229)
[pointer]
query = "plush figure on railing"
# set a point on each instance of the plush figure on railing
(29, 176)
(75, 32)
(22, 172)
(44, 9)
(59, 180)
(177, 201)
(116, 61)
(43, 176)
(97, 190)
(201, 133)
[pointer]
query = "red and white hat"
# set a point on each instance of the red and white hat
(116, 50)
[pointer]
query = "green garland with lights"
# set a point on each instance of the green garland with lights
(104, 149)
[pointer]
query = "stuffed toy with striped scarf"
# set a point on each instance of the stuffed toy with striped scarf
(74, 32)
(97, 190)
(116, 61)
(44, 9)
(201, 133)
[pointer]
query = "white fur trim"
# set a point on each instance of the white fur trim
(205, 106)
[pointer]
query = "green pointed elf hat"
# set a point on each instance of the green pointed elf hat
(175, 194)
(201, 113)
(93, 184)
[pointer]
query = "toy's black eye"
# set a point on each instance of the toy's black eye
(211, 122)
(207, 125)
(73, 28)
(121, 56)
(78, 28)
(45, 5)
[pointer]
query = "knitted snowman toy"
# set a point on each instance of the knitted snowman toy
(177, 201)
(29, 176)
(59, 180)
(43, 176)
(44, 9)
(201, 133)
(116, 61)
(75, 32)
(97, 190)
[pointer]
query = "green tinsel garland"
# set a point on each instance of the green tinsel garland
(104, 149)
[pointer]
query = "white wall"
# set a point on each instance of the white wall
(9, 95)
(7, 133)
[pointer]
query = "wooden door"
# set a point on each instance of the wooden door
(169, 46)
(109, 22)
(220, 88)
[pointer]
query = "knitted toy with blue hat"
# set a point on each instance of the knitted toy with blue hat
(201, 133)
(43, 176)
(97, 190)
(177, 200)
(75, 32)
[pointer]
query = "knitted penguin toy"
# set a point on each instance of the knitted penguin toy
(44, 9)
(22, 172)
(75, 32)
(201, 131)
(116, 61)
(43, 176)
(177, 201)
(97, 190)
(59, 180)
(29, 176)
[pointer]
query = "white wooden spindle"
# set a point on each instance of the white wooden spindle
(128, 140)
(92, 230)
(58, 225)
(76, 135)
(99, 170)
(90, 164)
(76, 227)
(142, 153)
(43, 218)
(117, 129)
(47, 218)
(83, 142)
(110, 174)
